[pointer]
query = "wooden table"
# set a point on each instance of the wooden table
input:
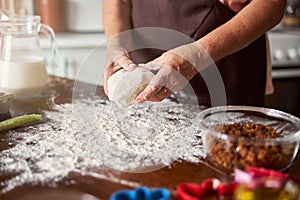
(78, 186)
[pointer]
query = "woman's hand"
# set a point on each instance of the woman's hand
(175, 69)
(116, 60)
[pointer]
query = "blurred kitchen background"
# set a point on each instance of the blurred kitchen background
(79, 30)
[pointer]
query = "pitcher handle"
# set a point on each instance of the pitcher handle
(47, 30)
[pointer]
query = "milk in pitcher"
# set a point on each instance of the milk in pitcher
(22, 70)
(25, 77)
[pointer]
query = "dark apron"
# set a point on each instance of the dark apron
(243, 73)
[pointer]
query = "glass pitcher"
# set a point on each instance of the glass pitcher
(22, 66)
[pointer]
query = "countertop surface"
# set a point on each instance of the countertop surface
(17, 172)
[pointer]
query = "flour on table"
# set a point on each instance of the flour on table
(96, 134)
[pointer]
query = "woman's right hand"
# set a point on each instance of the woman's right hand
(116, 60)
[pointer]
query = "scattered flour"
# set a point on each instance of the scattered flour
(89, 134)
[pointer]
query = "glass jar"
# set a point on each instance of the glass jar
(22, 67)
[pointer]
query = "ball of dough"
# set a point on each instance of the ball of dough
(124, 86)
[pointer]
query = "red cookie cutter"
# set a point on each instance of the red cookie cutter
(192, 191)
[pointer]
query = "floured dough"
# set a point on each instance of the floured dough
(124, 86)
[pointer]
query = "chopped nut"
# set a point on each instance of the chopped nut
(239, 153)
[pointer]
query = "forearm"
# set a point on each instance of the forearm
(116, 19)
(116, 16)
(250, 23)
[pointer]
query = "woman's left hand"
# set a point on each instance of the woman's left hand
(175, 70)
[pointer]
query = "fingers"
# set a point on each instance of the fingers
(160, 95)
(146, 93)
(153, 93)
(126, 63)
(156, 90)
(121, 62)
(152, 65)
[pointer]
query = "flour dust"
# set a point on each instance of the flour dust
(96, 134)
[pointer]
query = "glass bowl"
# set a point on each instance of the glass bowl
(251, 141)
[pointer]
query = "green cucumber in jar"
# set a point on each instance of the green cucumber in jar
(19, 121)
